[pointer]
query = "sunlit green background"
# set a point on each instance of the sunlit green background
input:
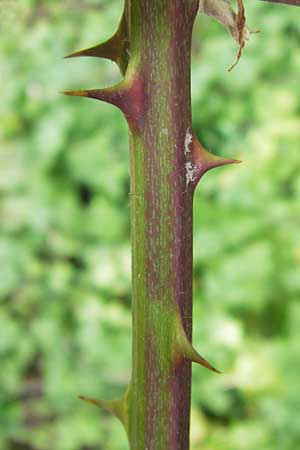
(65, 250)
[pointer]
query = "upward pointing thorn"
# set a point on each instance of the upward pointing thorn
(105, 50)
(114, 48)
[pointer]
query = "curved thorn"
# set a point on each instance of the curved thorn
(113, 95)
(114, 48)
(209, 161)
(185, 349)
(115, 407)
(104, 50)
(194, 356)
(200, 161)
(128, 96)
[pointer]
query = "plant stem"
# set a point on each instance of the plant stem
(152, 47)
(161, 211)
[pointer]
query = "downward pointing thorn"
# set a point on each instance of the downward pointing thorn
(196, 357)
(185, 349)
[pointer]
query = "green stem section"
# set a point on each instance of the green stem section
(161, 209)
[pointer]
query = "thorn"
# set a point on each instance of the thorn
(210, 161)
(75, 93)
(91, 51)
(128, 96)
(203, 161)
(194, 356)
(113, 95)
(185, 348)
(105, 404)
(116, 407)
(114, 48)
(107, 50)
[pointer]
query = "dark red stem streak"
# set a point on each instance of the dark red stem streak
(181, 213)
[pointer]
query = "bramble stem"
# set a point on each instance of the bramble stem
(161, 211)
(152, 47)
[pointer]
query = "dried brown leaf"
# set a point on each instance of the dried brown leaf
(241, 26)
(235, 23)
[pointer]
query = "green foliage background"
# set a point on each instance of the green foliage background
(65, 246)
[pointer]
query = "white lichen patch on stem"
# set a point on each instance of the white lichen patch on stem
(190, 172)
(190, 169)
(187, 142)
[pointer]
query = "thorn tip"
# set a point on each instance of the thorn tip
(184, 348)
(75, 93)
